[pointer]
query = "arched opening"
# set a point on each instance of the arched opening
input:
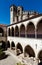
(40, 63)
(12, 31)
(40, 55)
(31, 30)
(17, 31)
(8, 44)
(12, 45)
(9, 34)
(39, 29)
(29, 51)
(3, 45)
(19, 49)
(22, 31)
(1, 32)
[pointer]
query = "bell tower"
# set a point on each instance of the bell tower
(13, 12)
(19, 12)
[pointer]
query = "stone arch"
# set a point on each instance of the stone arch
(3, 45)
(1, 32)
(39, 29)
(17, 31)
(12, 31)
(19, 48)
(8, 44)
(22, 30)
(9, 34)
(28, 51)
(12, 44)
(40, 55)
(30, 30)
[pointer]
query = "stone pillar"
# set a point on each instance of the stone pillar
(36, 51)
(35, 32)
(16, 51)
(23, 52)
(25, 31)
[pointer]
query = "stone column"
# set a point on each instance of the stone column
(25, 31)
(35, 32)
(24, 54)
(19, 31)
(16, 51)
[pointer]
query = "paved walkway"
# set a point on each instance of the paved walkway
(13, 59)
(10, 60)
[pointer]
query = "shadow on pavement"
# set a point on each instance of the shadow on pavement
(5, 57)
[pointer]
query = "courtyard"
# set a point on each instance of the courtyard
(10, 60)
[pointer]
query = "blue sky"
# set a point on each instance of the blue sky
(27, 4)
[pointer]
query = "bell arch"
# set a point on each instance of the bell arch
(22, 30)
(30, 30)
(19, 48)
(29, 51)
(17, 31)
(39, 29)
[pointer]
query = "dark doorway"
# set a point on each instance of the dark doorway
(29, 51)
(8, 44)
(3, 45)
(19, 49)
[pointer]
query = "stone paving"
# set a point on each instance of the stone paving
(25, 60)
(10, 60)
(13, 59)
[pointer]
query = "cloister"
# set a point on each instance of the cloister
(23, 35)
(30, 30)
(26, 37)
(27, 49)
